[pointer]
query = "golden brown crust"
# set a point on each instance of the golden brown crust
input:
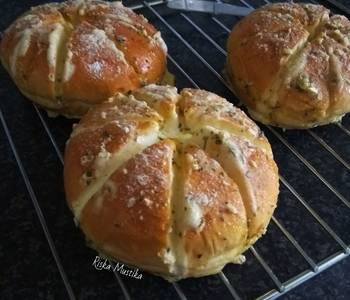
(248, 165)
(141, 47)
(130, 216)
(96, 79)
(70, 56)
(281, 63)
(179, 184)
(102, 132)
(214, 220)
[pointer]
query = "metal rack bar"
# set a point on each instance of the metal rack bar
(52, 139)
(182, 71)
(316, 216)
(329, 149)
(120, 281)
(203, 33)
(220, 24)
(186, 43)
(304, 276)
(310, 167)
(179, 291)
(295, 244)
(267, 269)
(152, 3)
(341, 126)
(229, 286)
(246, 3)
(37, 209)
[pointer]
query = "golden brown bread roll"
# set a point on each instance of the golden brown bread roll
(70, 56)
(175, 184)
(290, 65)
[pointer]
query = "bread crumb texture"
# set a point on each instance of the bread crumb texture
(178, 184)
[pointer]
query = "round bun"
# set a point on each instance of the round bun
(70, 56)
(290, 65)
(175, 184)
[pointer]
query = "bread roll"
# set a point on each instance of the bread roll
(290, 65)
(175, 184)
(70, 56)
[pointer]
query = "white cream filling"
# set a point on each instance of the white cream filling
(193, 215)
(55, 38)
(21, 49)
(69, 67)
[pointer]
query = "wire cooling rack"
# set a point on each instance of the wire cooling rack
(308, 232)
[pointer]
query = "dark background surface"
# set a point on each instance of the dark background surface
(28, 269)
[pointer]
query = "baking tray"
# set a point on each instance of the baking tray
(49, 260)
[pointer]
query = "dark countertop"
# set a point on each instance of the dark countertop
(28, 268)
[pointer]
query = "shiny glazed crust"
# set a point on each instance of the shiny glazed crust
(70, 56)
(289, 64)
(175, 184)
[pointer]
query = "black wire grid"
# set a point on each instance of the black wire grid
(308, 232)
